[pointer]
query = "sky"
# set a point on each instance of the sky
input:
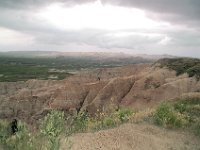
(130, 26)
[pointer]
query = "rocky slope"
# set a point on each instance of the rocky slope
(138, 86)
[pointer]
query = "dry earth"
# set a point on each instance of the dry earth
(138, 86)
(133, 137)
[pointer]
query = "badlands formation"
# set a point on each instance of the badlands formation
(137, 86)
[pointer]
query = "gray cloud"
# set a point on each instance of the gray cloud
(185, 12)
(27, 4)
(171, 9)
(18, 16)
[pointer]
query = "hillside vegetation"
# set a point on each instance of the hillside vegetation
(179, 113)
(190, 66)
(56, 132)
(22, 68)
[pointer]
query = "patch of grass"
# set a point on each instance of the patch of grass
(190, 66)
(52, 127)
(166, 116)
(48, 136)
(53, 124)
(100, 121)
(4, 130)
(80, 122)
(183, 112)
(22, 67)
(124, 114)
(196, 129)
(22, 140)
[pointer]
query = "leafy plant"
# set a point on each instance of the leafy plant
(182, 112)
(52, 127)
(165, 115)
(22, 140)
(124, 114)
(53, 124)
(80, 122)
(4, 131)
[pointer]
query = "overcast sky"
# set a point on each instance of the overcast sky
(131, 26)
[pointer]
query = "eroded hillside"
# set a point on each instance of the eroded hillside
(138, 86)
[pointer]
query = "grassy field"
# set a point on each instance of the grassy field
(21, 69)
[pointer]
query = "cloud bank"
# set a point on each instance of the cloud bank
(170, 27)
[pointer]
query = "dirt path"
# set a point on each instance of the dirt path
(134, 137)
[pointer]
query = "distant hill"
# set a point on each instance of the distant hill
(96, 55)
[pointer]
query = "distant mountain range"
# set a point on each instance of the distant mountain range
(91, 55)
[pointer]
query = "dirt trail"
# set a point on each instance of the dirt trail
(134, 137)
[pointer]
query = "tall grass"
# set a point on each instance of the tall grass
(101, 120)
(53, 126)
(165, 116)
(181, 113)
(47, 138)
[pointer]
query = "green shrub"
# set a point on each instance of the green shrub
(190, 66)
(4, 131)
(52, 127)
(164, 115)
(197, 129)
(188, 106)
(48, 137)
(194, 71)
(22, 140)
(80, 122)
(108, 122)
(53, 124)
(124, 114)
(182, 112)
(180, 106)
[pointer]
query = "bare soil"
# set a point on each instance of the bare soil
(134, 137)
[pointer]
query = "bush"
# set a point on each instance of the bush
(190, 66)
(108, 122)
(22, 140)
(124, 114)
(197, 129)
(188, 106)
(182, 112)
(48, 137)
(164, 115)
(80, 122)
(53, 124)
(52, 127)
(4, 131)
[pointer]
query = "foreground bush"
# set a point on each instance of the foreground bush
(52, 127)
(53, 124)
(4, 131)
(101, 120)
(165, 116)
(47, 139)
(23, 140)
(183, 112)
(80, 122)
